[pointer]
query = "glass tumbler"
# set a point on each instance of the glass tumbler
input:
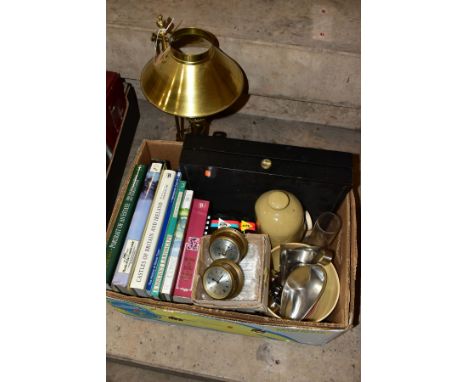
(325, 230)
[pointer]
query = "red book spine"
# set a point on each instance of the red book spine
(195, 230)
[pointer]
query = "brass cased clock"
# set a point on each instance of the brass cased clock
(228, 243)
(223, 279)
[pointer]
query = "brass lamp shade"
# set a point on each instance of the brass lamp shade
(192, 85)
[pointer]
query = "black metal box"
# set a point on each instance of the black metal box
(233, 173)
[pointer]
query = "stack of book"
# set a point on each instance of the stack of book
(152, 250)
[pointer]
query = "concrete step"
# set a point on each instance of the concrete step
(301, 58)
(124, 371)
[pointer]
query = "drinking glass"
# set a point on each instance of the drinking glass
(325, 230)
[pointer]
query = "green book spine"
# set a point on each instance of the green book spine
(117, 237)
(171, 226)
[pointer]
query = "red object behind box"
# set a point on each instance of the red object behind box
(116, 104)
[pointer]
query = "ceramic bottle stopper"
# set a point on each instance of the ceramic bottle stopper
(280, 215)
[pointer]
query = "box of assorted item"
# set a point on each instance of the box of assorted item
(241, 237)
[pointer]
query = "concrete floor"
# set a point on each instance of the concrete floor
(198, 354)
(158, 352)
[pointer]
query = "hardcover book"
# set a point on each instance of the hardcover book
(116, 239)
(195, 229)
(158, 250)
(137, 226)
(150, 238)
(167, 243)
(172, 266)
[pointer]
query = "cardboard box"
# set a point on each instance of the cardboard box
(341, 319)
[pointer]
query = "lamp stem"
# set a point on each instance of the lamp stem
(198, 126)
(180, 128)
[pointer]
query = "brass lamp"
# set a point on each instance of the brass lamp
(191, 78)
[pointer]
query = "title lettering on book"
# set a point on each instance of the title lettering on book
(128, 256)
(132, 191)
(119, 226)
(167, 246)
(175, 213)
(148, 243)
(187, 273)
(140, 271)
(154, 223)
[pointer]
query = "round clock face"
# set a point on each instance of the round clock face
(224, 248)
(218, 282)
(229, 244)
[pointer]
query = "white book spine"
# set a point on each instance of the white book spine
(150, 238)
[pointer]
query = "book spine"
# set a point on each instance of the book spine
(137, 226)
(195, 229)
(167, 243)
(158, 250)
(174, 255)
(150, 238)
(116, 239)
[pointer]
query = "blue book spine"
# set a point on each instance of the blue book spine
(166, 247)
(127, 256)
(157, 252)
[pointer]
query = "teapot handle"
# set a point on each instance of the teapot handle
(308, 224)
